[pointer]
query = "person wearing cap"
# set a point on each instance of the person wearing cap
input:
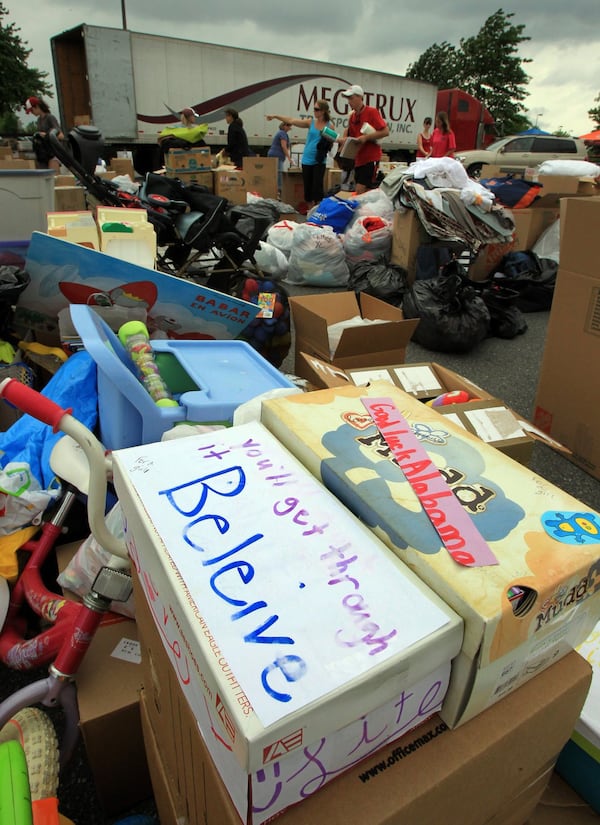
(367, 126)
(185, 135)
(315, 152)
(46, 122)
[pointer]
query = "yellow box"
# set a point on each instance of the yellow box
(126, 234)
(522, 613)
(76, 227)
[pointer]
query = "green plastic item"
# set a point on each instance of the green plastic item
(115, 226)
(15, 798)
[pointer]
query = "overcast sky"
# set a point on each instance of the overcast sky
(385, 35)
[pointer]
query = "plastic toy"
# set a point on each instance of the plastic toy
(134, 337)
(452, 397)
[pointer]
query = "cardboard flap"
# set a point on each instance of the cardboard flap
(375, 338)
(320, 373)
(331, 307)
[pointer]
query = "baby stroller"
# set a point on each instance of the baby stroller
(199, 235)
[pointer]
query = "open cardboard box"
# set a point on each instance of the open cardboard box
(487, 417)
(370, 345)
(491, 771)
(240, 626)
(524, 611)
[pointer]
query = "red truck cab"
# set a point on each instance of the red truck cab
(470, 121)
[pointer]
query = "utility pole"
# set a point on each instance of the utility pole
(123, 15)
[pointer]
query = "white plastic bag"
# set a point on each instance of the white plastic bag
(317, 257)
(548, 244)
(22, 499)
(271, 260)
(281, 236)
(85, 565)
(575, 168)
(368, 239)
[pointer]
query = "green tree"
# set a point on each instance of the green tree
(487, 66)
(439, 64)
(17, 79)
(595, 113)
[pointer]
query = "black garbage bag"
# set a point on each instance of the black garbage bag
(379, 278)
(506, 319)
(13, 280)
(532, 277)
(453, 317)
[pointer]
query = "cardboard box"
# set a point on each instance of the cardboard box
(371, 345)
(529, 225)
(408, 234)
(122, 166)
(260, 688)
(189, 160)
(204, 178)
(567, 399)
(230, 183)
(579, 219)
(489, 418)
(560, 804)
(521, 613)
(108, 685)
(16, 163)
(491, 771)
(261, 176)
(579, 761)
(127, 234)
(333, 178)
(292, 188)
(69, 199)
(65, 180)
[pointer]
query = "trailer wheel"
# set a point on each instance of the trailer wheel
(474, 170)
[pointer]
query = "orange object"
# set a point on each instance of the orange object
(45, 812)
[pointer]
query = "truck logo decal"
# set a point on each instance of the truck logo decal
(211, 110)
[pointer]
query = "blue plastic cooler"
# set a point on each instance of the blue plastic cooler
(209, 379)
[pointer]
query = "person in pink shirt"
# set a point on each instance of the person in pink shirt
(443, 141)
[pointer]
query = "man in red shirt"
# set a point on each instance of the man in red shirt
(367, 126)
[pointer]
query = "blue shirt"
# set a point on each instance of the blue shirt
(276, 150)
(309, 156)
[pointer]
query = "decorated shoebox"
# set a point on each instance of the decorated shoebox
(579, 761)
(285, 619)
(515, 556)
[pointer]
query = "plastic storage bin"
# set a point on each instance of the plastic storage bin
(126, 234)
(77, 227)
(209, 379)
(26, 195)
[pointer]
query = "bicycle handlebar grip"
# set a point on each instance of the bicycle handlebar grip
(32, 402)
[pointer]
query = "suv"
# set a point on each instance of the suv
(520, 151)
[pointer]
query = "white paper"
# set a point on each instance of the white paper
(418, 379)
(128, 650)
(494, 424)
(364, 377)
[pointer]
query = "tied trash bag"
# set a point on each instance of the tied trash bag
(532, 277)
(281, 236)
(317, 257)
(381, 279)
(453, 317)
(367, 239)
(13, 280)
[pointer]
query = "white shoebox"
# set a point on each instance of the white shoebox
(285, 619)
